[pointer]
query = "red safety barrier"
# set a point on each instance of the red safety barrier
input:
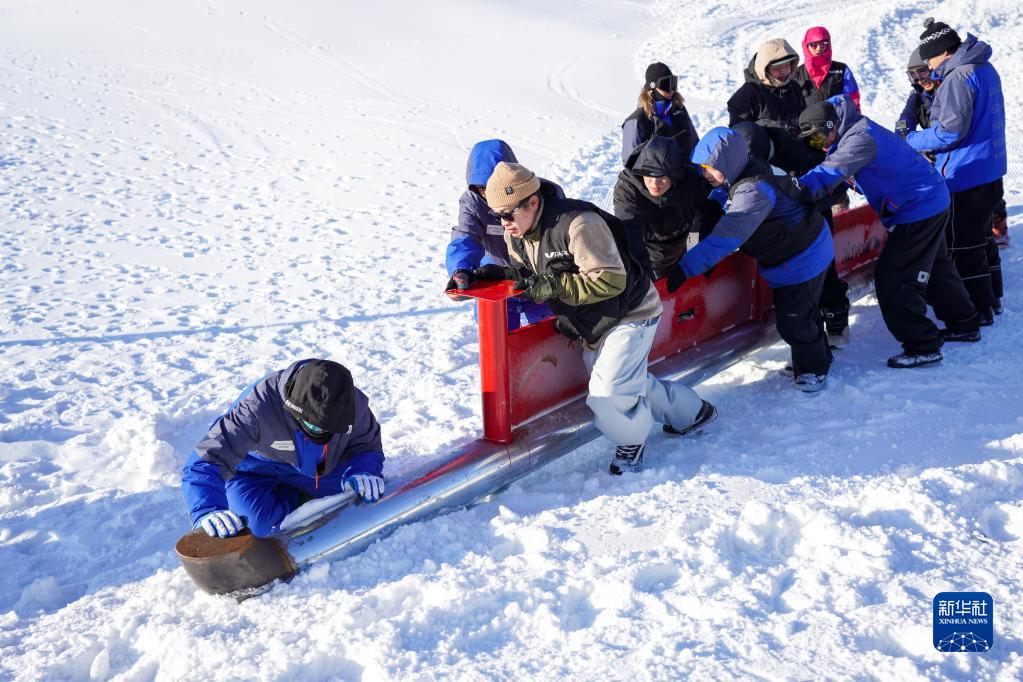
(532, 370)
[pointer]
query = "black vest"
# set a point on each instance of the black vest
(592, 320)
(833, 84)
(677, 129)
(777, 240)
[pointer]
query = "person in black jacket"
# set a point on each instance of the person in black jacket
(659, 111)
(661, 198)
(769, 97)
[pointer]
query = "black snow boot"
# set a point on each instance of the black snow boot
(706, 415)
(836, 324)
(906, 360)
(971, 336)
(627, 458)
(810, 382)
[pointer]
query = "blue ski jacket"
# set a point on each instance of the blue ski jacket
(752, 204)
(967, 129)
(256, 436)
(899, 183)
(478, 237)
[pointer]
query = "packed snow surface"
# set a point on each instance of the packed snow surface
(194, 194)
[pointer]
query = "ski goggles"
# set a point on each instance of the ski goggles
(313, 428)
(668, 83)
(820, 44)
(919, 75)
(816, 140)
(814, 134)
(782, 61)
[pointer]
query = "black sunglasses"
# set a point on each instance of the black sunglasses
(820, 44)
(509, 216)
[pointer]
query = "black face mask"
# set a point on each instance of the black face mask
(658, 97)
(320, 438)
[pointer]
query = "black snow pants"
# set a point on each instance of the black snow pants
(968, 235)
(914, 270)
(835, 294)
(798, 320)
(994, 259)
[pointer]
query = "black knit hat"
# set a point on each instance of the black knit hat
(322, 393)
(818, 117)
(937, 38)
(656, 72)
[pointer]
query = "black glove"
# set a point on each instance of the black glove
(538, 288)
(676, 278)
(710, 213)
(491, 272)
(902, 128)
(460, 280)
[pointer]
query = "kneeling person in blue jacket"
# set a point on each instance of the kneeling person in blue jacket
(300, 433)
(770, 218)
(912, 200)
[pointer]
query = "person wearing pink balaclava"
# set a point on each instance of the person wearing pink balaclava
(820, 77)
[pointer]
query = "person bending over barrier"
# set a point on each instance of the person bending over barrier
(478, 238)
(663, 200)
(579, 260)
(912, 201)
(770, 218)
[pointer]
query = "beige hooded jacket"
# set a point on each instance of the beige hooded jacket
(772, 51)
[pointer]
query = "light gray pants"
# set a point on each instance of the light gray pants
(624, 397)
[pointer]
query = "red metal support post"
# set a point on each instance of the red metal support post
(493, 328)
(492, 313)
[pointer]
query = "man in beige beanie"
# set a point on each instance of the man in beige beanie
(769, 97)
(577, 258)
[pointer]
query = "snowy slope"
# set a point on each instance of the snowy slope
(197, 193)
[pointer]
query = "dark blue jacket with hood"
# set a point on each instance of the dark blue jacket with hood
(899, 183)
(258, 437)
(478, 237)
(967, 119)
(754, 203)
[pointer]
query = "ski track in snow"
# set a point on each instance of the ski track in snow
(216, 206)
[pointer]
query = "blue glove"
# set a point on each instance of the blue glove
(221, 524)
(366, 485)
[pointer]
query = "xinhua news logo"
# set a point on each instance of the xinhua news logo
(963, 622)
